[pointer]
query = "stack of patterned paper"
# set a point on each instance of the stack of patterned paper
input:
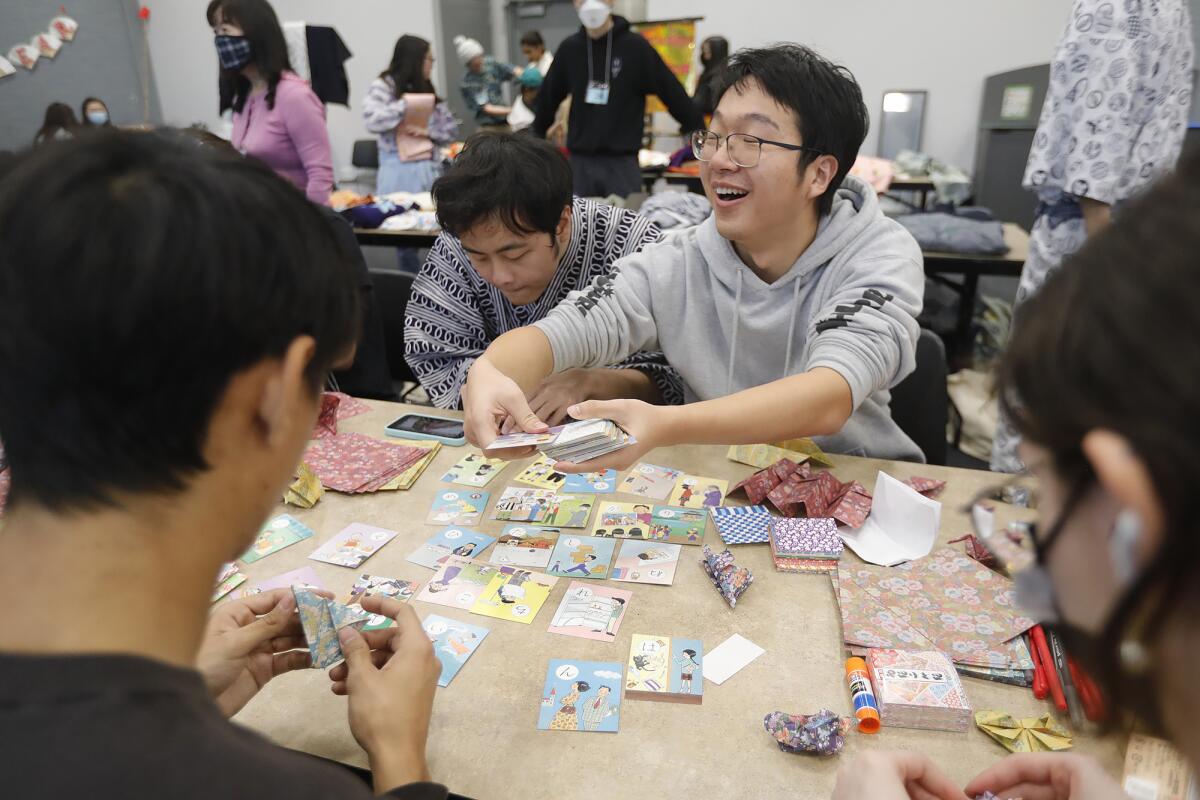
(918, 689)
(805, 544)
(354, 463)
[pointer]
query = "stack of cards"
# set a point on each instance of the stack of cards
(742, 524)
(805, 544)
(576, 442)
(918, 690)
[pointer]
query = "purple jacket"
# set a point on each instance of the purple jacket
(290, 138)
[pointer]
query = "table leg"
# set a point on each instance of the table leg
(966, 313)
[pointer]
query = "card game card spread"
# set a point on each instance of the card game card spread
(665, 668)
(590, 612)
(321, 620)
(570, 510)
(354, 463)
(279, 532)
(459, 582)
(541, 473)
(652, 523)
(525, 546)
(695, 491)
(650, 481)
(581, 696)
(742, 524)
(514, 594)
(805, 538)
(453, 643)
(455, 507)
(518, 504)
(305, 578)
(918, 689)
(647, 562)
(474, 469)
(353, 545)
(591, 482)
(451, 541)
(731, 580)
(377, 585)
(582, 557)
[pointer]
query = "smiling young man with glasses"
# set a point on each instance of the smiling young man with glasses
(790, 312)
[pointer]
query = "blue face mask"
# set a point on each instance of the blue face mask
(233, 51)
(97, 117)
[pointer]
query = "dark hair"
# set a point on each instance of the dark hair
(522, 181)
(83, 111)
(119, 332)
(1104, 346)
(268, 48)
(620, 600)
(582, 686)
(690, 653)
(532, 39)
(825, 98)
(407, 68)
(718, 53)
(59, 117)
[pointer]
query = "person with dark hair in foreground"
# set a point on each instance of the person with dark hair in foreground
(514, 244)
(1107, 403)
(150, 423)
(277, 118)
(59, 123)
(791, 311)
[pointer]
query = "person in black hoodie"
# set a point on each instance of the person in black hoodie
(608, 70)
(714, 52)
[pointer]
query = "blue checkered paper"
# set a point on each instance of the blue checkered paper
(743, 524)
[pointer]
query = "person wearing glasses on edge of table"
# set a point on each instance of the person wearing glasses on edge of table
(790, 312)
(1106, 401)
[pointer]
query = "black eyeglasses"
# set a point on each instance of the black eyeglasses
(743, 149)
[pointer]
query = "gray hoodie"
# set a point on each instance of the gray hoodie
(849, 303)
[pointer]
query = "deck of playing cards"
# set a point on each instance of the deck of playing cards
(576, 442)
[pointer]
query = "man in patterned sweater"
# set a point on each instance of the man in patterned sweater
(515, 243)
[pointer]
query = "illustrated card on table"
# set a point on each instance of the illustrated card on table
(459, 582)
(652, 523)
(525, 546)
(376, 585)
(581, 696)
(570, 510)
(518, 504)
(474, 469)
(229, 579)
(650, 481)
(305, 578)
(665, 668)
(591, 482)
(696, 491)
(280, 532)
(354, 545)
(452, 541)
(541, 473)
(582, 557)
(591, 612)
(647, 562)
(455, 507)
(514, 594)
(453, 643)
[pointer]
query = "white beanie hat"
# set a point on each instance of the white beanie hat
(467, 48)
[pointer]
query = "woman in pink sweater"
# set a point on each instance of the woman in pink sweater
(276, 116)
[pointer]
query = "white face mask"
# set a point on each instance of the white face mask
(594, 13)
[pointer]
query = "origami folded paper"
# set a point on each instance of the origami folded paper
(1027, 735)
(349, 406)
(306, 490)
(822, 734)
(926, 486)
(796, 491)
(327, 418)
(321, 620)
(730, 580)
(762, 455)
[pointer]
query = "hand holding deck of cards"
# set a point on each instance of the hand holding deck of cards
(575, 442)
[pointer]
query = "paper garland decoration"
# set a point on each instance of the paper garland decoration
(43, 45)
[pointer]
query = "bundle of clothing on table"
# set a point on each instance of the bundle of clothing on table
(970, 230)
(400, 211)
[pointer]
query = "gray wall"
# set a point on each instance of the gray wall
(105, 60)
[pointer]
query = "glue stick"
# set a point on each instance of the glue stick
(866, 710)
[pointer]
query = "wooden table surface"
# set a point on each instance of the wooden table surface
(484, 740)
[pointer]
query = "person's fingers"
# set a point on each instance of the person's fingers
(1035, 769)
(382, 604)
(339, 688)
(941, 789)
(287, 662)
(271, 625)
(595, 409)
(281, 644)
(356, 652)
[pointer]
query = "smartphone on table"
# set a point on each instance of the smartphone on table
(425, 426)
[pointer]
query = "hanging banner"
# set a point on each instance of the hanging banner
(43, 45)
(675, 41)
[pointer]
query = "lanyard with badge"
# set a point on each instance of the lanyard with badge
(597, 92)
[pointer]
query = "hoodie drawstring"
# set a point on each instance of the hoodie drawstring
(737, 315)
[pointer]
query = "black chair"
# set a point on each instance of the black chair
(920, 403)
(365, 154)
(392, 289)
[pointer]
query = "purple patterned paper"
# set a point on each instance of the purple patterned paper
(806, 537)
